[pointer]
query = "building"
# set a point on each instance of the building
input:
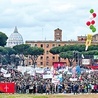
(47, 59)
(83, 38)
(14, 39)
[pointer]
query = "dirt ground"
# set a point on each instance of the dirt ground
(75, 96)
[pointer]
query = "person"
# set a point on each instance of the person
(75, 88)
(34, 88)
(30, 88)
(47, 88)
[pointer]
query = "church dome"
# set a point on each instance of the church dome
(15, 39)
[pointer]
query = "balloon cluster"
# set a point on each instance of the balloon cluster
(92, 21)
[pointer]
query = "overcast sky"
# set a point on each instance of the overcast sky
(37, 19)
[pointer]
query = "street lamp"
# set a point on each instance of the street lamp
(77, 57)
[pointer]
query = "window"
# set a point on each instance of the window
(53, 45)
(47, 52)
(59, 45)
(41, 45)
(53, 57)
(59, 58)
(41, 57)
(41, 63)
(47, 58)
(47, 45)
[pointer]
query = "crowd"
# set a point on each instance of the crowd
(87, 82)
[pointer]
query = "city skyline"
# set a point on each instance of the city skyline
(37, 19)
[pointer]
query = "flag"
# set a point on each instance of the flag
(74, 71)
(7, 87)
(78, 70)
(88, 41)
(82, 56)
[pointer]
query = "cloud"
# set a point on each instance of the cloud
(24, 2)
(30, 16)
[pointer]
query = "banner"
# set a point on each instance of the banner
(24, 69)
(7, 75)
(47, 76)
(93, 67)
(39, 70)
(88, 41)
(57, 78)
(59, 65)
(3, 70)
(86, 61)
(73, 79)
(7, 87)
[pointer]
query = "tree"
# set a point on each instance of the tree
(3, 39)
(79, 48)
(3, 52)
(34, 52)
(56, 50)
(10, 51)
(9, 55)
(65, 48)
(68, 55)
(21, 51)
(91, 52)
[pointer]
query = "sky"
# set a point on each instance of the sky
(37, 19)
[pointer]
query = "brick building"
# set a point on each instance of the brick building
(47, 59)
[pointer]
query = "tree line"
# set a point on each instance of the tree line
(18, 53)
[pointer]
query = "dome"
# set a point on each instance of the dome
(15, 39)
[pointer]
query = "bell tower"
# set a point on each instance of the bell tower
(58, 34)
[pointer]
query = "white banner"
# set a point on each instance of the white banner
(3, 70)
(31, 72)
(73, 79)
(7, 75)
(85, 61)
(39, 70)
(25, 69)
(47, 76)
(57, 78)
(21, 69)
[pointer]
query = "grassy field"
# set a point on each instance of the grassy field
(48, 96)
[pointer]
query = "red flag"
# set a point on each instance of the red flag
(7, 87)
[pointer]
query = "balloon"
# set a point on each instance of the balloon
(91, 26)
(93, 22)
(94, 30)
(91, 11)
(94, 15)
(88, 23)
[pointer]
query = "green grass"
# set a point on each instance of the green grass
(21, 96)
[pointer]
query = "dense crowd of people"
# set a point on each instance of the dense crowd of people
(87, 82)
